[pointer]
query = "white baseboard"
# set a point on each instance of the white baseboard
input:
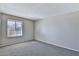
(58, 45)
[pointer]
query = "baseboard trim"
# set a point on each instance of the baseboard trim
(56, 45)
(15, 43)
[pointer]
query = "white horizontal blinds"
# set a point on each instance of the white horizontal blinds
(18, 28)
(14, 28)
(11, 28)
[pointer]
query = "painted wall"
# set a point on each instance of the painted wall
(60, 30)
(27, 30)
(0, 29)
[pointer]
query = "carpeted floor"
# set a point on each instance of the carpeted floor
(35, 48)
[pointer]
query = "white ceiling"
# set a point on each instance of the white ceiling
(37, 11)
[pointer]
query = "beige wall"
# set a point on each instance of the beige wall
(0, 29)
(60, 30)
(27, 30)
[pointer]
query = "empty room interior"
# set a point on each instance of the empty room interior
(39, 29)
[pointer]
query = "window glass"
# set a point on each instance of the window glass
(14, 28)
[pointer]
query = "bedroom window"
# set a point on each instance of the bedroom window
(14, 28)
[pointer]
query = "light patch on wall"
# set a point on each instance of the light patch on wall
(14, 28)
